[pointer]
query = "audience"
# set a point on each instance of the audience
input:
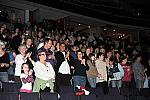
(66, 58)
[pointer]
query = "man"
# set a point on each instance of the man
(138, 70)
(47, 49)
(62, 68)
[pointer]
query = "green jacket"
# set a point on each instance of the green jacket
(41, 84)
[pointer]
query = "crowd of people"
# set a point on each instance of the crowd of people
(44, 58)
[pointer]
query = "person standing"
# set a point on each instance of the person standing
(138, 71)
(62, 68)
(44, 73)
(92, 73)
(4, 63)
(80, 67)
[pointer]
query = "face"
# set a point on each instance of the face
(25, 68)
(62, 47)
(109, 54)
(67, 42)
(111, 62)
(28, 42)
(49, 44)
(17, 30)
(125, 60)
(117, 55)
(79, 55)
(88, 51)
(139, 58)
(74, 48)
(22, 49)
(42, 56)
(101, 57)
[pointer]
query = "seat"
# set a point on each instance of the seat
(9, 96)
(145, 92)
(111, 97)
(137, 98)
(97, 91)
(30, 96)
(114, 91)
(125, 91)
(11, 87)
(66, 89)
(46, 95)
(135, 92)
(88, 97)
(69, 96)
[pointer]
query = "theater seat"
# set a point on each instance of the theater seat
(88, 97)
(49, 96)
(30, 96)
(11, 87)
(9, 96)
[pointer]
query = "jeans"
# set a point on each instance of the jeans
(116, 83)
(4, 76)
(79, 80)
(92, 82)
(139, 83)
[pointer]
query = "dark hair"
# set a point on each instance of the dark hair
(99, 54)
(46, 40)
(123, 57)
(61, 43)
(136, 56)
(90, 55)
(23, 65)
(112, 59)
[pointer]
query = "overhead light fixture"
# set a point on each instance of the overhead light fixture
(79, 24)
(114, 30)
(123, 35)
(89, 26)
(105, 29)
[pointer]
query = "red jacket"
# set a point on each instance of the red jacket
(127, 73)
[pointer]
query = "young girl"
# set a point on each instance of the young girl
(26, 79)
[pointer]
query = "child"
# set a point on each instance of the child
(26, 79)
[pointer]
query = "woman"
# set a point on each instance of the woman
(92, 73)
(126, 80)
(80, 67)
(44, 73)
(19, 60)
(4, 63)
(101, 80)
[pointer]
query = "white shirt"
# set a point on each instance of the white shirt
(18, 61)
(27, 86)
(64, 68)
(44, 72)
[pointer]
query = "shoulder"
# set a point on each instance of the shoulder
(48, 64)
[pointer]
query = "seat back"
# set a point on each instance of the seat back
(30, 96)
(48, 96)
(11, 87)
(9, 96)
